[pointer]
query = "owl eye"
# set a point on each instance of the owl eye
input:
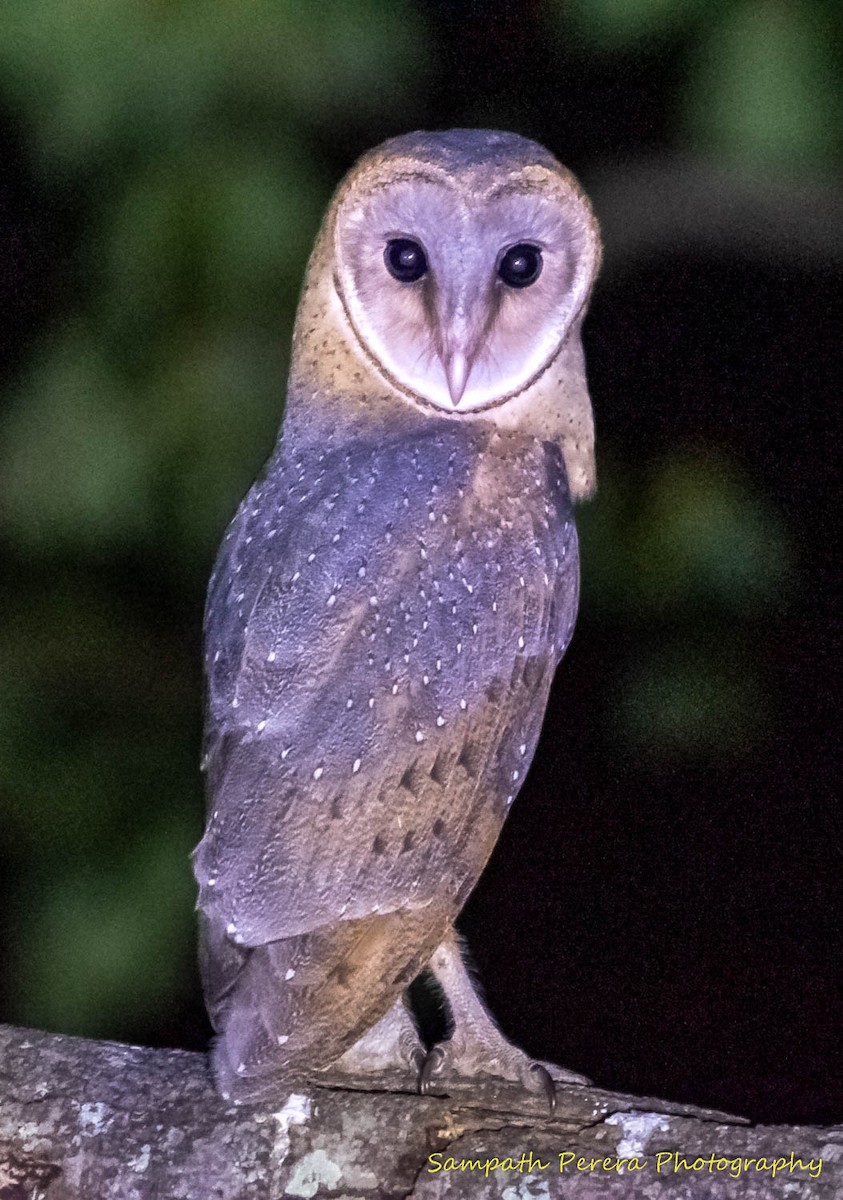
(405, 260)
(521, 265)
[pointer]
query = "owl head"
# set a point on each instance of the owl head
(451, 276)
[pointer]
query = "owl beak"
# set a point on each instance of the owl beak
(456, 372)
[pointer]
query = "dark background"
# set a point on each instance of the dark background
(663, 911)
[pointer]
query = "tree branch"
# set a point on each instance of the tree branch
(82, 1120)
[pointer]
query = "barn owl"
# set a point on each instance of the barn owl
(388, 609)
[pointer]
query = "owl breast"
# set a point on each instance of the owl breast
(382, 629)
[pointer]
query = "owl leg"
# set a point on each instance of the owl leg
(476, 1046)
(391, 1044)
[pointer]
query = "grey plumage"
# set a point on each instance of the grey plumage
(353, 790)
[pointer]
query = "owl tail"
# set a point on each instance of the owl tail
(298, 1004)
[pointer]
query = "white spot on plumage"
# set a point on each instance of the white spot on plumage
(271, 656)
(356, 766)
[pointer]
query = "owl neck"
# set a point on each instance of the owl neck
(316, 417)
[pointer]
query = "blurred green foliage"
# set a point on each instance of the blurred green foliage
(675, 554)
(762, 87)
(190, 131)
(188, 135)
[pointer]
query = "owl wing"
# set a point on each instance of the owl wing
(380, 644)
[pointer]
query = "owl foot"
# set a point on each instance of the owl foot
(477, 1048)
(451, 1062)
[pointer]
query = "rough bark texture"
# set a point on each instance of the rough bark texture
(82, 1119)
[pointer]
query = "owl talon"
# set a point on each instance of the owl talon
(432, 1065)
(545, 1083)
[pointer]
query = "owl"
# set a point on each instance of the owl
(387, 611)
